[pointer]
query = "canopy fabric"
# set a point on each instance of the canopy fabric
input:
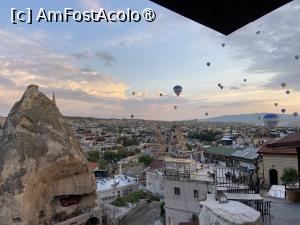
(224, 16)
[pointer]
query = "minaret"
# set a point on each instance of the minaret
(53, 98)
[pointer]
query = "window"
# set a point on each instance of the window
(176, 190)
(196, 194)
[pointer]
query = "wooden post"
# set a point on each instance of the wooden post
(298, 151)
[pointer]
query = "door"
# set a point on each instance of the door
(273, 177)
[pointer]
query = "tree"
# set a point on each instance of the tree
(93, 156)
(128, 141)
(289, 176)
(146, 159)
(102, 164)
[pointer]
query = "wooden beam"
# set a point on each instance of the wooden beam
(298, 151)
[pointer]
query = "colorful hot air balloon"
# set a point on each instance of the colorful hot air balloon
(283, 85)
(208, 63)
(177, 89)
(295, 114)
(283, 110)
(288, 92)
(276, 104)
(271, 120)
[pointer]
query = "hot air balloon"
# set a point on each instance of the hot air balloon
(133, 93)
(245, 80)
(288, 92)
(222, 87)
(219, 85)
(208, 63)
(206, 114)
(132, 116)
(175, 106)
(258, 32)
(283, 110)
(271, 120)
(161, 94)
(276, 104)
(223, 45)
(177, 89)
(296, 57)
(295, 114)
(283, 84)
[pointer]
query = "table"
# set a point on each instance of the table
(243, 196)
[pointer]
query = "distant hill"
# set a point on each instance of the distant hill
(285, 120)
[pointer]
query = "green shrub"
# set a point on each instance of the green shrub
(93, 156)
(146, 159)
(120, 202)
(289, 176)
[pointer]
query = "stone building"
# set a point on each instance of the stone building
(276, 159)
(155, 178)
(44, 177)
(185, 186)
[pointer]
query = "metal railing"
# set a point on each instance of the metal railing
(236, 177)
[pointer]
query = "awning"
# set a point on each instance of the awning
(224, 16)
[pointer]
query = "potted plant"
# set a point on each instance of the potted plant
(290, 178)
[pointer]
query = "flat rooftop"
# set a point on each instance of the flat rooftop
(118, 181)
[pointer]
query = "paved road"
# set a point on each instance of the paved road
(284, 213)
(146, 216)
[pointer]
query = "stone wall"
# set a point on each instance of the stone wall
(277, 162)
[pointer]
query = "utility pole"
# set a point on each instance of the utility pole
(114, 213)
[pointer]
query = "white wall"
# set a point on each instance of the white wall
(180, 208)
(155, 183)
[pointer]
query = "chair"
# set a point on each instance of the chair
(264, 208)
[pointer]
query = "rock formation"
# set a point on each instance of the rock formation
(43, 171)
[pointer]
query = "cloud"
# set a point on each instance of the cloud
(91, 4)
(6, 82)
(108, 59)
(54, 71)
(234, 88)
(273, 51)
(81, 55)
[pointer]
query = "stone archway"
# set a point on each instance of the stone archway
(92, 221)
(273, 176)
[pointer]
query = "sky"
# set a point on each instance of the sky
(94, 67)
